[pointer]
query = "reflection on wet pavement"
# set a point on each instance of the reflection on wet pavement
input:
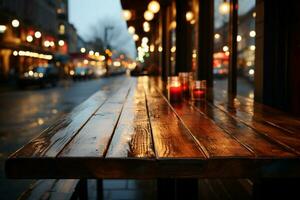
(25, 113)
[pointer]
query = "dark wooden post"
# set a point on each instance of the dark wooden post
(100, 195)
(164, 32)
(206, 41)
(83, 189)
(233, 28)
(181, 35)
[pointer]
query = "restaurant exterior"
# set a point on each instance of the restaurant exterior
(31, 34)
(195, 35)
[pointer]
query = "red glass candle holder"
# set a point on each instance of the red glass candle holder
(174, 89)
(199, 90)
(185, 83)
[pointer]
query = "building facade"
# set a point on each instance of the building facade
(31, 33)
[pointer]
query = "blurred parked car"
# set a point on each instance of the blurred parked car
(81, 73)
(220, 71)
(40, 76)
(139, 70)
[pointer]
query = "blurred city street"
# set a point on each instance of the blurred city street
(25, 113)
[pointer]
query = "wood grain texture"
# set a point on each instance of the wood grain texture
(288, 139)
(152, 139)
(259, 111)
(132, 137)
(171, 138)
(54, 139)
(94, 137)
(213, 139)
(258, 144)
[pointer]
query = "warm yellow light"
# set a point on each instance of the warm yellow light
(227, 53)
(127, 15)
(91, 52)
(15, 53)
(145, 40)
(224, 8)
(160, 49)
(173, 25)
(2, 28)
(254, 14)
(29, 38)
(85, 62)
(225, 48)
(97, 54)
(217, 36)
(154, 7)
(61, 43)
(252, 34)
(131, 30)
(82, 50)
(152, 48)
(102, 58)
(136, 37)
(52, 44)
(37, 34)
(252, 47)
(189, 16)
(15, 23)
(148, 15)
(146, 26)
(238, 38)
(173, 49)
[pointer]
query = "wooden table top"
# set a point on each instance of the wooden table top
(129, 130)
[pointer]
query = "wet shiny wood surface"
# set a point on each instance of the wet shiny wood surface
(130, 130)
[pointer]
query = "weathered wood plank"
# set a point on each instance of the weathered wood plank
(54, 139)
(253, 140)
(132, 137)
(216, 142)
(94, 137)
(258, 111)
(171, 138)
(287, 139)
(261, 145)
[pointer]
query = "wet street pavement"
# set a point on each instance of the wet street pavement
(25, 113)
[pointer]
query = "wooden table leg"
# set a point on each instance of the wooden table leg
(177, 189)
(283, 189)
(187, 189)
(100, 189)
(166, 189)
(83, 189)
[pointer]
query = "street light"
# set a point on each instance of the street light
(252, 34)
(37, 34)
(136, 37)
(127, 15)
(131, 30)
(29, 38)
(2, 28)
(224, 7)
(15, 23)
(154, 7)
(148, 15)
(82, 50)
(189, 16)
(61, 43)
(146, 26)
(217, 36)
